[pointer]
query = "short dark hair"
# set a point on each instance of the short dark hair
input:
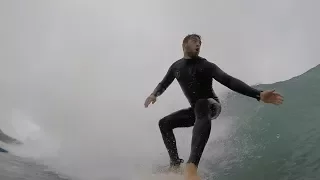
(189, 36)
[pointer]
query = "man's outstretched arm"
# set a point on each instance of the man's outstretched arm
(165, 83)
(233, 83)
(161, 87)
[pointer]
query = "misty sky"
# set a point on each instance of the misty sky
(115, 50)
(79, 65)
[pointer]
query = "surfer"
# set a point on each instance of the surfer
(194, 75)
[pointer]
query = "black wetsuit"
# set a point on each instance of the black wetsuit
(195, 78)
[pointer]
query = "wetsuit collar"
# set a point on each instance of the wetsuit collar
(192, 58)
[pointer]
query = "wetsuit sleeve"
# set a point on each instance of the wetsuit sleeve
(233, 83)
(165, 83)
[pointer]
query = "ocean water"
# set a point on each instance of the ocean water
(69, 89)
(272, 142)
(265, 142)
(17, 168)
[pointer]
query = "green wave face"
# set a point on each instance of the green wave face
(269, 142)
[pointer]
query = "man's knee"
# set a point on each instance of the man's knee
(163, 124)
(215, 108)
(202, 105)
(208, 107)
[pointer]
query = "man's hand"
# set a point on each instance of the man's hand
(152, 98)
(270, 96)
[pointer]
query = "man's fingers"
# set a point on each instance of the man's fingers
(147, 102)
(270, 91)
(279, 98)
(278, 101)
(153, 101)
(275, 93)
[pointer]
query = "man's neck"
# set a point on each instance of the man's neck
(188, 57)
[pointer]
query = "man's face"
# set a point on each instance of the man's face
(192, 47)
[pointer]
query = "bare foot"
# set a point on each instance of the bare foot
(191, 172)
(193, 178)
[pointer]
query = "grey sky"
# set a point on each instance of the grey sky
(82, 69)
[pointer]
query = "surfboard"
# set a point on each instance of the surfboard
(163, 172)
(158, 172)
(165, 169)
(160, 176)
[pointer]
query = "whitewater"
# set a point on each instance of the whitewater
(74, 76)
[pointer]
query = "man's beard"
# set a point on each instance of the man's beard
(193, 54)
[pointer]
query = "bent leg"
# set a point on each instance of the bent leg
(181, 118)
(205, 111)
